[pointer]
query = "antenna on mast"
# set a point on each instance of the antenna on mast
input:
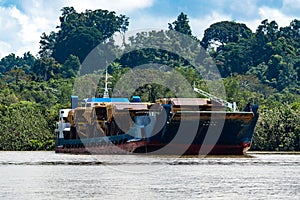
(105, 93)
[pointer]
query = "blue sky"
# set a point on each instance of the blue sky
(23, 21)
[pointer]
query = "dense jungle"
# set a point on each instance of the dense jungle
(262, 67)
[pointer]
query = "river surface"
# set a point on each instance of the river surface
(46, 175)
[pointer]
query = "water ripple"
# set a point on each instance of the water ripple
(50, 158)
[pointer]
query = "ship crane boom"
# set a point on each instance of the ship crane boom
(231, 106)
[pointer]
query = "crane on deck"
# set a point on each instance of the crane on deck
(231, 106)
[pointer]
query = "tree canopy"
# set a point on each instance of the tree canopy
(221, 33)
(79, 33)
(181, 24)
(263, 66)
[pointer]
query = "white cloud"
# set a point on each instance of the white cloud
(276, 15)
(283, 15)
(199, 25)
(9, 28)
(149, 22)
(121, 6)
(21, 31)
(22, 27)
(4, 48)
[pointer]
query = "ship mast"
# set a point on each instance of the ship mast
(105, 93)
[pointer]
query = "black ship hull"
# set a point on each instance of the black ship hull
(186, 133)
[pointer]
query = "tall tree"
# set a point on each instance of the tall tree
(221, 33)
(79, 33)
(181, 24)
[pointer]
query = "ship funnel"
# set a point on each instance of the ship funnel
(74, 102)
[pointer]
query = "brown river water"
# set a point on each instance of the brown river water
(46, 175)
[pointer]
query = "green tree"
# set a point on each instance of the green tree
(24, 127)
(277, 129)
(79, 33)
(46, 68)
(181, 24)
(221, 33)
(7, 97)
(268, 30)
(12, 61)
(71, 67)
(235, 58)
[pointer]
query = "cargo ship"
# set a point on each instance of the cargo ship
(181, 126)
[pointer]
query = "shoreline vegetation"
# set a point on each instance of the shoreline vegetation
(262, 67)
(274, 152)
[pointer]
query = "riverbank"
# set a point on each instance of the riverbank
(274, 152)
